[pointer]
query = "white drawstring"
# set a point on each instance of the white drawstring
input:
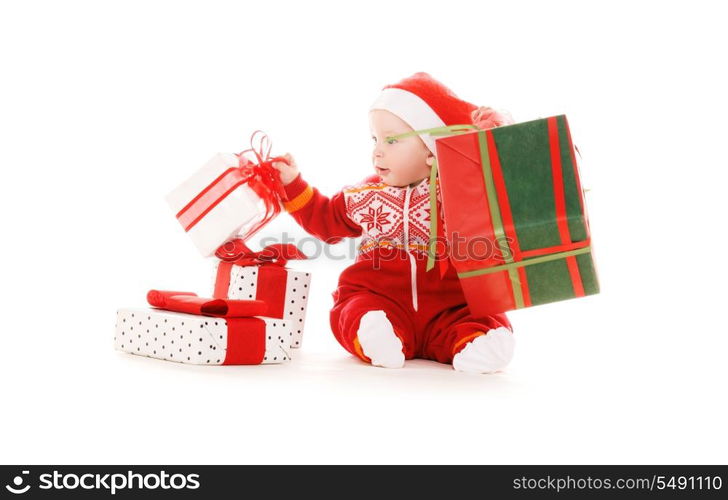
(413, 274)
(413, 262)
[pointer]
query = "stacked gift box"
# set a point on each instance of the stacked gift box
(255, 312)
(284, 290)
(189, 338)
(241, 274)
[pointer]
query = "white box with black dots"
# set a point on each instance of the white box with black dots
(202, 340)
(285, 291)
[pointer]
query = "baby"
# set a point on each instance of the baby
(387, 307)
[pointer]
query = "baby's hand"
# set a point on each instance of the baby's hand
(288, 169)
(485, 118)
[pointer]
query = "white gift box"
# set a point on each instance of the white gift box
(285, 301)
(213, 207)
(189, 338)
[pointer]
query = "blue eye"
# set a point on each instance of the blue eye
(391, 141)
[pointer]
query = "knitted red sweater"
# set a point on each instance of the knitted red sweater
(394, 223)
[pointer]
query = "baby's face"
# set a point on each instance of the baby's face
(399, 162)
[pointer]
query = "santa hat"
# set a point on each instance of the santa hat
(422, 102)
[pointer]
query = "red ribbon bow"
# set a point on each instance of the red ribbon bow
(190, 303)
(263, 179)
(245, 332)
(236, 252)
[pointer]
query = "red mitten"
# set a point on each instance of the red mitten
(485, 118)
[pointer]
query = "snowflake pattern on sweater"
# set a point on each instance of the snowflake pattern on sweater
(379, 209)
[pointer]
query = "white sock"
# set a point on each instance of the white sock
(487, 353)
(378, 340)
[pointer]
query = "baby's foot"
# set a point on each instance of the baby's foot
(378, 340)
(487, 353)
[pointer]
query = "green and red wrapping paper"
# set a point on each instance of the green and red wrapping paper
(515, 216)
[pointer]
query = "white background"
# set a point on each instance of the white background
(106, 106)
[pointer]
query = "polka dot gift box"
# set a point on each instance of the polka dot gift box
(203, 331)
(246, 275)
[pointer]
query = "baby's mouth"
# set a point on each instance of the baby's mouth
(381, 170)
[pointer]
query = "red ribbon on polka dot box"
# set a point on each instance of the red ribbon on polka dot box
(213, 332)
(243, 274)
